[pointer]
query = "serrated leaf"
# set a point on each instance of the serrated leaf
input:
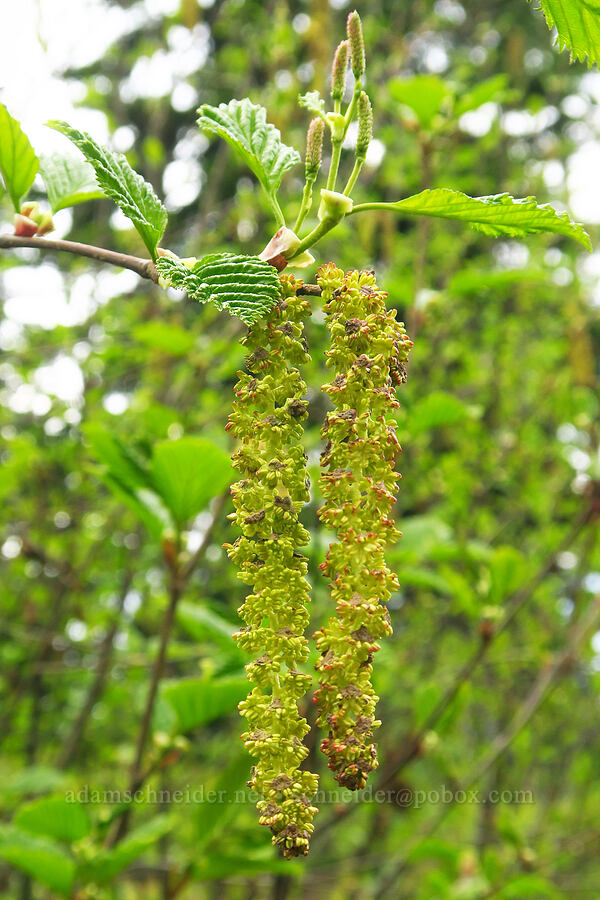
(577, 24)
(18, 162)
(38, 857)
(121, 183)
(245, 286)
(187, 474)
(196, 701)
(313, 102)
(69, 180)
(244, 126)
(425, 95)
(496, 215)
(54, 817)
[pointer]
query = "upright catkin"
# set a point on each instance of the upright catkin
(368, 352)
(267, 421)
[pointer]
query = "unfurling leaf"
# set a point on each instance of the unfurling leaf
(244, 125)
(121, 183)
(243, 285)
(69, 180)
(313, 103)
(496, 215)
(577, 24)
(18, 162)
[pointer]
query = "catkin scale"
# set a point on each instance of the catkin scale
(368, 353)
(267, 421)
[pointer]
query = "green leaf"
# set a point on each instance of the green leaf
(18, 162)
(507, 571)
(436, 410)
(496, 215)
(488, 90)
(187, 473)
(127, 475)
(34, 780)
(69, 180)
(313, 103)
(55, 817)
(421, 535)
(244, 126)
(245, 286)
(44, 860)
(202, 624)
(227, 865)
(425, 95)
(577, 23)
(121, 183)
(196, 701)
(211, 818)
(104, 867)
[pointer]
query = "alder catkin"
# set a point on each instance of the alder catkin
(267, 421)
(368, 353)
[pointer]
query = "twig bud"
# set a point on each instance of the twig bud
(365, 125)
(314, 149)
(357, 44)
(338, 71)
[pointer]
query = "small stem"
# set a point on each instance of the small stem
(353, 176)
(277, 211)
(305, 205)
(352, 106)
(313, 236)
(336, 152)
(143, 267)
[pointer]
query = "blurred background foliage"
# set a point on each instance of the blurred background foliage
(499, 503)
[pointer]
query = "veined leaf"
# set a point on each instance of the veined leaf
(244, 125)
(54, 817)
(121, 183)
(18, 162)
(43, 859)
(187, 473)
(69, 180)
(577, 23)
(496, 215)
(196, 701)
(245, 286)
(313, 102)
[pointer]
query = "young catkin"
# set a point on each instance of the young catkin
(368, 353)
(267, 421)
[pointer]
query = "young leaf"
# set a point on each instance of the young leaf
(423, 94)
(122, 184)
(187, 473)
(196, 701)
(577, 23)
(244, 125)
(40, 858)
(496, 215)
(18, 162)
(243, 285)
(313, 103)
(54, 817)
(69, 180)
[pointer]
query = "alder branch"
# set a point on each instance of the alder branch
(143, 267)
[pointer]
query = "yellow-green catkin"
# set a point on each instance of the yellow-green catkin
(368, 352)
(267, 421)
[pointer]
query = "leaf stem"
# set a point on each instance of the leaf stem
(305, 205)
(336, 152)
(353, 176)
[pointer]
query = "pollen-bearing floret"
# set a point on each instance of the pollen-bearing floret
(368, 353)
(267, 420)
